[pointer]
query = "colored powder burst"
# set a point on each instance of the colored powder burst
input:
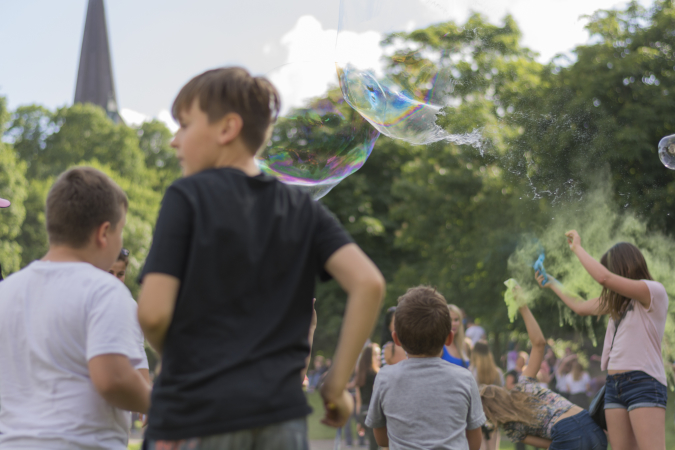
(318, 146)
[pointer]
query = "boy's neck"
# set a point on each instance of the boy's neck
(425, 356)
(62, 253)
(238, 157)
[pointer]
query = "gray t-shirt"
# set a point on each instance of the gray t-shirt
(425, 403)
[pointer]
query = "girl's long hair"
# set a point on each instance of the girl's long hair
(459, 336)
(366, 365)
(627, 261)
(501, 406)
(484, 364)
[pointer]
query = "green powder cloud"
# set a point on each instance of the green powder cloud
(601, 224)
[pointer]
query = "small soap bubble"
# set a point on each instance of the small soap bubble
(667, 151)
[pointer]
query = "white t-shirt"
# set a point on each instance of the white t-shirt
(577, 386)
(475, 333)
(54, 318)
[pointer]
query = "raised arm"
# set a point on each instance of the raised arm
(538, 342)
(576, 304)
(364, 285)
(634, 289)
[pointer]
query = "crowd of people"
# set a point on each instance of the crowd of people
(227, 300)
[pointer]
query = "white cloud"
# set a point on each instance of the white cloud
(310, 65)
(166, 118)
(135, 118)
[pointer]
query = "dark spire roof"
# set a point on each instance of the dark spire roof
(94, 78)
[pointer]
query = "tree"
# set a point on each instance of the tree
(13, 187)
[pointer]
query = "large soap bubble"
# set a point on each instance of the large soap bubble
(319, 144)
(402, 89)
(667, 151)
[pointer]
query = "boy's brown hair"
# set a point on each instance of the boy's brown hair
(422, 321)
(80, 201)
(233, 90)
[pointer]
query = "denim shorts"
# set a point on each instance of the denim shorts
(578, 432)
(636, 389)
(290, 435)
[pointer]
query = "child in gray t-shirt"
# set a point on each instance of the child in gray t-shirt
(424, 402)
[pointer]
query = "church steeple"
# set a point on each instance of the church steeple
(94, 78)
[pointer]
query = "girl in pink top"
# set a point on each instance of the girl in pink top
(636, 393)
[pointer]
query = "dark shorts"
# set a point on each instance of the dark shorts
(634, 389)
(290, 435)
(578, 432)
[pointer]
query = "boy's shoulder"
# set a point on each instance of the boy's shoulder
(225, 177)
(74, 275)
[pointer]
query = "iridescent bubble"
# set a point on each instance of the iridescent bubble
(402, 90)
(667, 151)
(4, 203)
(318, 145)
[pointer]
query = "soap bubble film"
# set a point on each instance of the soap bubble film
(318, 145)
(404, 90)
(667, 151)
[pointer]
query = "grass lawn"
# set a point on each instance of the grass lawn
(317, 431)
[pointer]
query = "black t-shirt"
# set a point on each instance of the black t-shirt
(247, 251)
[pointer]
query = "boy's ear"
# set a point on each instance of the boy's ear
(230, 127)
(101, 234)
(451, 337)
(397, 341)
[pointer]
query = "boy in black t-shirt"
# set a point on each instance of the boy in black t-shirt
(229, 281)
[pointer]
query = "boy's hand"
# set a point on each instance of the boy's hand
(573, 239)
(338, 410)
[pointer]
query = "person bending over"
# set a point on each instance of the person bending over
(538, 416)
(424, 402)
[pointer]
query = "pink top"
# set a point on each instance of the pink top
(637, 345)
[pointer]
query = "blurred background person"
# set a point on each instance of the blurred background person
(366, 371)
(457, 352)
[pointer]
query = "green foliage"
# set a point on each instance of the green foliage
(154, 141)
(45, 143)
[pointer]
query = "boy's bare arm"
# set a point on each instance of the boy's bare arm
(475, 438)
(156, 303)
(365, 286)
(381, 436)
(119, 383)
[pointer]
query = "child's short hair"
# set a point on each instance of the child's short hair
(233, 90)
(422, 321)
(80, 201)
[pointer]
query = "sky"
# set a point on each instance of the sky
(157, 46)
